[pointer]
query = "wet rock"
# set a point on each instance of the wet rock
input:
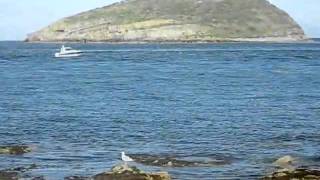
(297, 174)
(23, 169)
(124, 172)
(77, 178)
(14, 150)
(167, 161)
(15, 173)
(125, 168)
(8, 175)
(38, 178)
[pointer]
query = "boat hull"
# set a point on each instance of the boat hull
(59, 55)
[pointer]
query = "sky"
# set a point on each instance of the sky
(20, 17)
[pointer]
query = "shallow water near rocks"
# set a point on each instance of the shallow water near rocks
(252, 103)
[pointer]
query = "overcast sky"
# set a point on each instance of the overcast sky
(20, 17)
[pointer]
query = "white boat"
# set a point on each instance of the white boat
(67, 52)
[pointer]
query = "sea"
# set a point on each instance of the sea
(246, 103)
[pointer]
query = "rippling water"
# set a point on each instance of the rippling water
(250, 103)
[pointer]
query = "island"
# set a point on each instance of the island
(176, 21)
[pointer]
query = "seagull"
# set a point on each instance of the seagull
(125, 158)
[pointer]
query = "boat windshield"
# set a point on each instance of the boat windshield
(64, 49)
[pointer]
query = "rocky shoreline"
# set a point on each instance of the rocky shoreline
(237, 40)
(286, 168)
(119, 172)
(294, 174)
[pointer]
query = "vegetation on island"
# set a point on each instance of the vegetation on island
(175, 20)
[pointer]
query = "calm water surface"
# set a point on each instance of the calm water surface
(249, 103)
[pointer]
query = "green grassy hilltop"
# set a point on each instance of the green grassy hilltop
(176, 20)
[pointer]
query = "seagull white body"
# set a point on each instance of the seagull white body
(125, 158)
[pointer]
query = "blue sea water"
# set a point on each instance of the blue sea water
(249, 103)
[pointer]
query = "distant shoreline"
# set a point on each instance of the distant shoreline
(237, 40)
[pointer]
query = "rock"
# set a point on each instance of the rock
(38, 178)
(14, 150)
(124, 172)
(284, 162)
(8, 175)
(15, 173)
(125, 168)
(24, 169)
(77, 178)
(176, 21)
(297, 174)
(168, 161)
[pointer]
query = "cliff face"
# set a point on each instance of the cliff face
(175, 20)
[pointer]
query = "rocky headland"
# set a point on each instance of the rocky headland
(175, 21)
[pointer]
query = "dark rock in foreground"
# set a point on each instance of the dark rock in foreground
(297, 174)
(15, 173)
(77, 178)
(38, 178)
(8, 175)
(124, 172)
(167, 161)
(14, 150)
(121, 172)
